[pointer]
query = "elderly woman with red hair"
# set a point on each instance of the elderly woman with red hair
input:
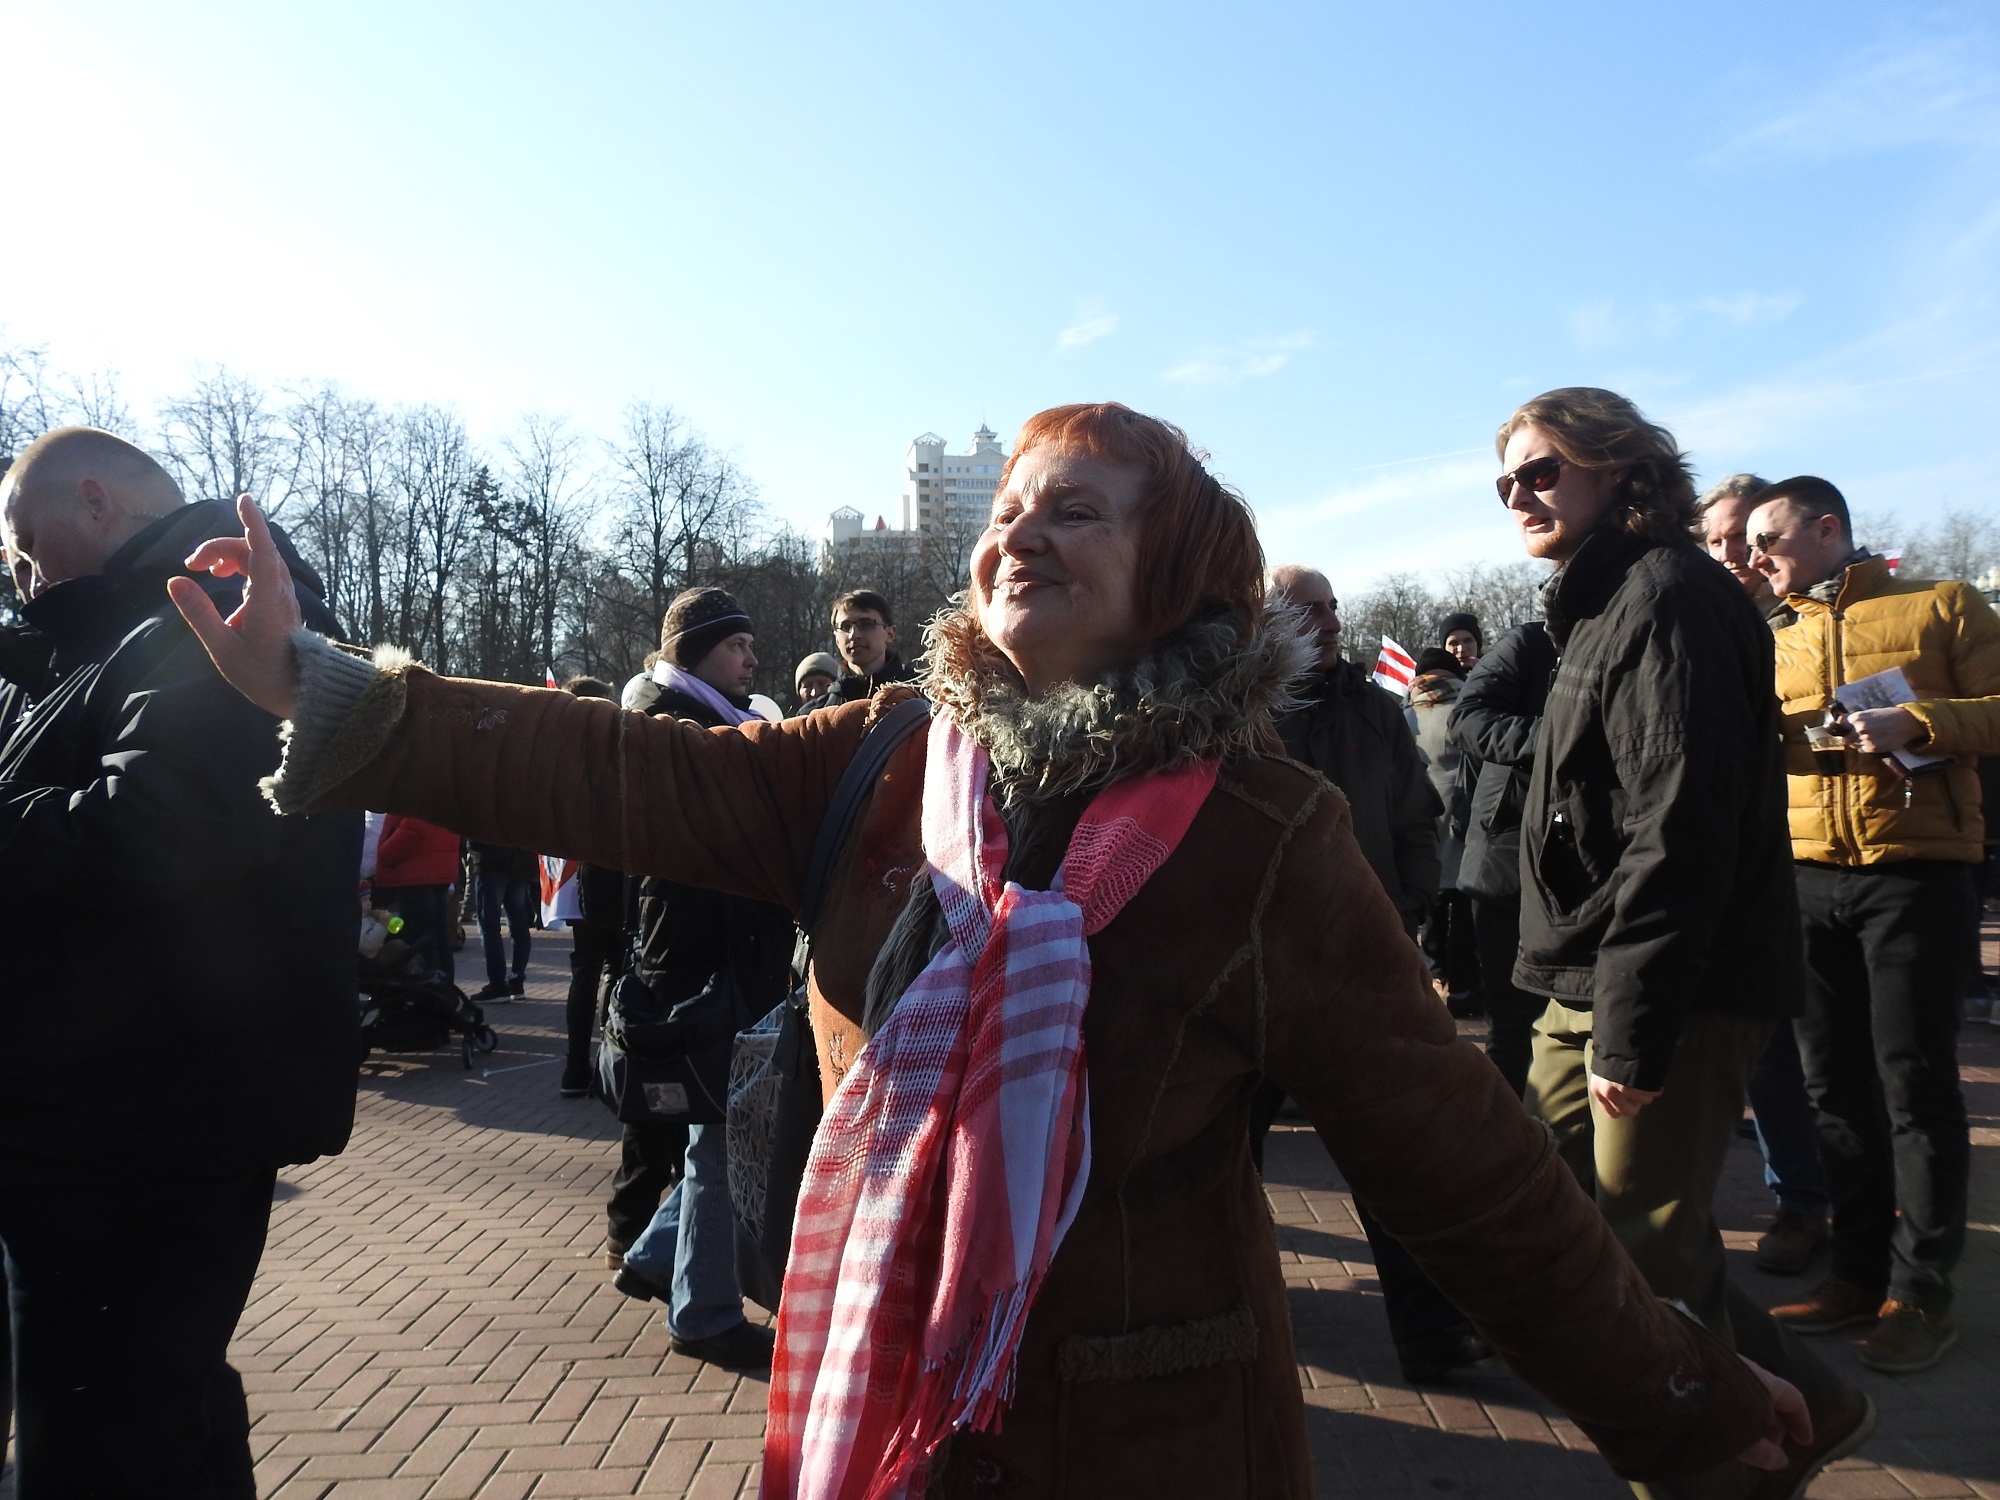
(1076, 921)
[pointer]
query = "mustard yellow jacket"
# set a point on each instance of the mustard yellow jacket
(1947, 641)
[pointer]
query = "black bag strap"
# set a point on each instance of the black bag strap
(878, 743)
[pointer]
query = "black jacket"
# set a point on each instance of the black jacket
(1355, 735)
(855, 688)
(503, 862)
(1655, 864)
(1496, 720)
(687, 935)
(180, 986)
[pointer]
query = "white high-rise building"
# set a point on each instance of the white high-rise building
(951, 494)
(945, 501)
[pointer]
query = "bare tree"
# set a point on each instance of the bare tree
(1398, 606)
(30, 403)
(431, 465)
(333, 450)
(682, 510)
(947, 552)
(1501, 595)
(545, 522)
(1958, 544)
(96, 401)
(223, 440)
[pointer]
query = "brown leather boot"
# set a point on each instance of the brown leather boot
(1791, 1242)
(1831, 1305)
(1836, 1434)
(1907, 1340)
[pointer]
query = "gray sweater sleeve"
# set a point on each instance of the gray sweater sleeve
(329, 737)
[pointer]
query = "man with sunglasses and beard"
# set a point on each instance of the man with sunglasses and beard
(1657, 906)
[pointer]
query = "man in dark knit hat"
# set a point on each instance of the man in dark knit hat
(685, 1255)
(1459, 633)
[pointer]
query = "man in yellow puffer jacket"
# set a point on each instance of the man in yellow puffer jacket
(1884, 857)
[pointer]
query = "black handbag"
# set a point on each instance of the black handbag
(669, 1064)
(761, 1256)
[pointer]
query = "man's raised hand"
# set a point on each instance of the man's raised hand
(252, 649)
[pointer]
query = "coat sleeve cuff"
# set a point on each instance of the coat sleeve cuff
(348, 707)
(1957, 726)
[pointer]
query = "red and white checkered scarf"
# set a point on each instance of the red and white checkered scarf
(955, 1151)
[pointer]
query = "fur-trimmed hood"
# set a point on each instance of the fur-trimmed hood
(1200, 692)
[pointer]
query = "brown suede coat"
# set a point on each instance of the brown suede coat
(1158, 1361)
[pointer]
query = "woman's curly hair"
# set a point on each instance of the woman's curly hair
(1599, 429)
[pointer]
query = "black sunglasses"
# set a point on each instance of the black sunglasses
(1538, 474)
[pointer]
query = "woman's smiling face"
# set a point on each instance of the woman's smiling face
(1055, 574)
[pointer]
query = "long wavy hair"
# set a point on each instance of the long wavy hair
(1598, 429)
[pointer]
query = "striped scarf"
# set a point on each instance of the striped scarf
(954, 1153)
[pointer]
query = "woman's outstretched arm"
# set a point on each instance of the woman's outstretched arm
(728, 809)
(1432, 1139)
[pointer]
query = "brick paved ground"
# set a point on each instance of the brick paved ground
(433, 1319)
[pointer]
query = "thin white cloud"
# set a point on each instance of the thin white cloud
(1093, 321)
(1416, 515)
(1247, 359)
(1939, 91)
(1606, 325)
(1747, 309)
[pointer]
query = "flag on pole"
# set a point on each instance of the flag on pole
(1394, 668)
(549, 677)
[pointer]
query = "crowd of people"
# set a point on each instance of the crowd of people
(1163, 864)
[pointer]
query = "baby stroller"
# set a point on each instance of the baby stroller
(408, 1007)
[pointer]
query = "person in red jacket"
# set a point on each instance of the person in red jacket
(416, 865)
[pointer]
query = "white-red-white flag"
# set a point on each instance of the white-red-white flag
(560, 903)
(1894, 558)
(1395, 668)
(549, 677)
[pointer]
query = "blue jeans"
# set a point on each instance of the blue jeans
(516, 899)
(690, 1246)
(1787, 1133)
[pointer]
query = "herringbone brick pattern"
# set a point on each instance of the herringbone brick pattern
(433, 1319)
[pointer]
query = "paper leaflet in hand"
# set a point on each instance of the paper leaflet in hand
(1890, 689)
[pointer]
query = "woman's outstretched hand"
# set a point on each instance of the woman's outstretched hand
(253, 647)
(1789, 1421)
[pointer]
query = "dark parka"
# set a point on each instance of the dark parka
(688, 935)
(1655, 868)
(856, 687)
(1496, 720)
(180, 991)
(504, 862)
(1354, 734)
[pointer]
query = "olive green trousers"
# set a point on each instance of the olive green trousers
(1654, 1175)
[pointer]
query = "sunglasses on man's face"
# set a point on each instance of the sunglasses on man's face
(1763, 541)
(1537, 474)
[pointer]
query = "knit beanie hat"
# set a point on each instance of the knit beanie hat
(819, 661)
(1437, 659)
(697, 622)
(1461, 620)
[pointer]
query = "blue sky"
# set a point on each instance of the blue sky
(1336, 243)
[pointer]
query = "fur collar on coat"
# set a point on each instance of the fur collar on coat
(1200, 691)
